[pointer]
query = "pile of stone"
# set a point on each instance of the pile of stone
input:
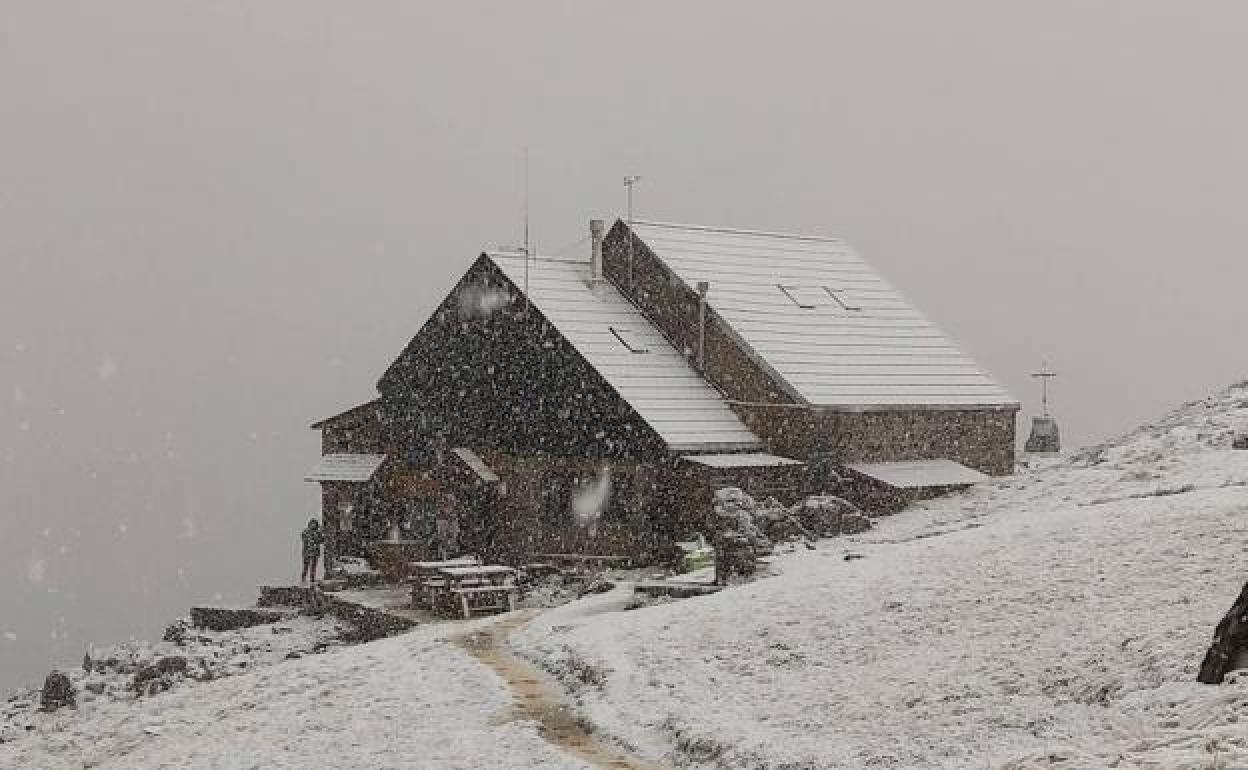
(743, 529)
(737, 540)
(779, 523)
(829, 516)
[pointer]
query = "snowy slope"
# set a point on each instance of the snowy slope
(414, 701)
(1058, 616)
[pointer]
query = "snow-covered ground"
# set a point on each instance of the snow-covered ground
(412, 701)
(1054, 618)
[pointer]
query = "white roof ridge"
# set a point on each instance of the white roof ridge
(737, 231)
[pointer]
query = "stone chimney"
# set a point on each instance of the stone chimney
(703, 288)
(595, 239)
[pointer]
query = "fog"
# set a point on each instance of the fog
(220, 221)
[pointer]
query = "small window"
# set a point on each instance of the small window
(629, 339)
(810, 297)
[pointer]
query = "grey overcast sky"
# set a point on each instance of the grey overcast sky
(220, 220)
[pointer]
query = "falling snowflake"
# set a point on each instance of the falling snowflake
(591, 500)
(36, 570)
(107, 369)
(19, 395)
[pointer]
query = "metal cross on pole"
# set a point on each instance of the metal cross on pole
(629, 181)
(1044, 375)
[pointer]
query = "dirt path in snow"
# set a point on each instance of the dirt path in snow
(539, 700)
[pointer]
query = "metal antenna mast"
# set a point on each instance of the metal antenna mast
(1044, 375)
(527, 251)
(629, 181)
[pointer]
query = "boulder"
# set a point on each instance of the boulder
(736, 538)
(58, 691)
(778, 523)
(158, 676)
(1230, 642)
(176, 631)
(829, 515)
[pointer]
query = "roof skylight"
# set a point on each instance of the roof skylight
(811, 297)
(630, 339)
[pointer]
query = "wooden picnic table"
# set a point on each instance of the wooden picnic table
(480, 587)
(426, 580)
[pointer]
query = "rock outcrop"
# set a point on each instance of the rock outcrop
(1230, 641)
(736, 538)
(58, 692)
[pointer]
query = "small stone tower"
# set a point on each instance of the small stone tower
(1045, 436)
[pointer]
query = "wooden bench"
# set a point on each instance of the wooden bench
(496, 597)
(583, 561)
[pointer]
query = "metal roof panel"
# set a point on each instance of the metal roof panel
(822, 352)
(659, 384)
(346, 467)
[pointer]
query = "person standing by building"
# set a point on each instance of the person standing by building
(312, 540)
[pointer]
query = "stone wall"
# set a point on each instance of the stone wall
(978, 438)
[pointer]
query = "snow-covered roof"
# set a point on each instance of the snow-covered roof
(918, 474)
(815, 314)
(742, 460)
(346, 467)
(631, 354)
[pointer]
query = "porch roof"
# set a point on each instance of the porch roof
(920, 474)
(742, 460)
(346, 467)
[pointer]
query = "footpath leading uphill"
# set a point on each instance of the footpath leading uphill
(1056, 618)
